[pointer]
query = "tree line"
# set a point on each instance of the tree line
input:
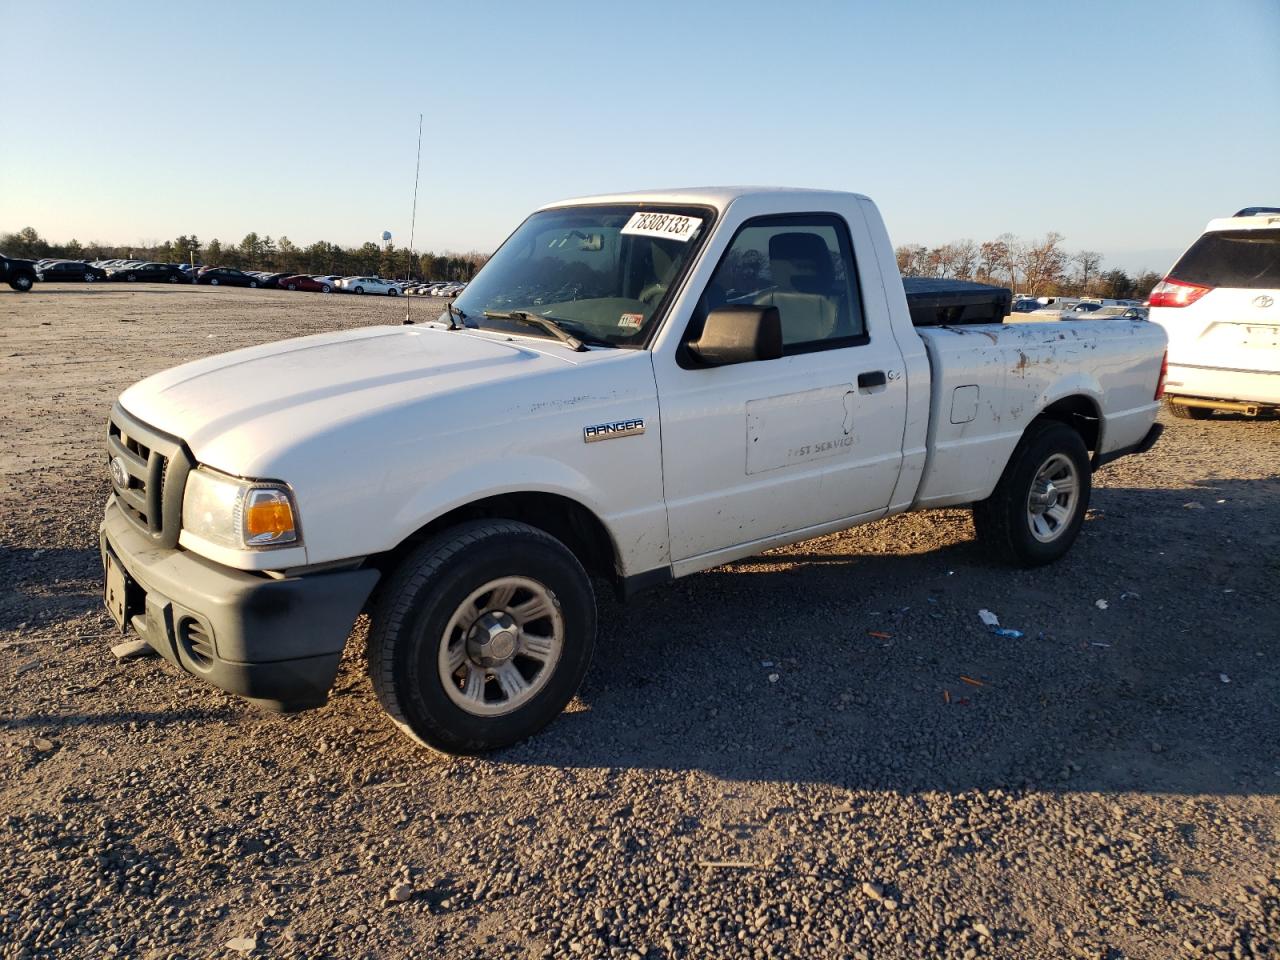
(261, 252)
(1040, 268)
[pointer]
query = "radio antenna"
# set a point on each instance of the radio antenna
(413, 218)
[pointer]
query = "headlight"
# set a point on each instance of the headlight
(238, 513)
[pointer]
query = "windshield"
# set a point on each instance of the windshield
(601, 273)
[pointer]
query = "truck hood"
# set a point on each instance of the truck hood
(236, 409)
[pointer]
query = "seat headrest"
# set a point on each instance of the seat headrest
(801, 262)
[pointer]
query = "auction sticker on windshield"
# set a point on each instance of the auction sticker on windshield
(672, 226)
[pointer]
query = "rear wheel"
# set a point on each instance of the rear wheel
(21, 283)
(253, 284)
(482, 636)
(326, 289)
(89, 277)
(1036, 510)
(132, 277)
(173, 278)
(391, 292)
(214, 282)
(293, 286)
(359, 290)
(1185, 412)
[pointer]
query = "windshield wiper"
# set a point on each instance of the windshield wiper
(455, 313)
(537, 320)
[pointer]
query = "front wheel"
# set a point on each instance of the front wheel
(293, 286)
(173, 278)
(359, 290)
(326, 289)
(253, 285)
(89, 278)
(482, 636)
(393, 292)
(21, 283)
(1036, 510)
(214, 282)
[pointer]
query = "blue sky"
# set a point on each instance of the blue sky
(1123, 125)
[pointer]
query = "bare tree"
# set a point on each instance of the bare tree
(965, 259)
(1088, 263)
(1043, 262)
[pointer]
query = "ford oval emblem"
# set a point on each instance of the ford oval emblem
(119, 475)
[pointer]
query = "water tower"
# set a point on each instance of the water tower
(386, 238)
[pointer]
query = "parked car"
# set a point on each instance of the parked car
(715, 412)
(62, 271)
(272, 280)
(301, 281)
(333, 280)
(150, 273)
(227, 276)
(1117, 312)
(370, 285)
(17, 273)
(1220, 305)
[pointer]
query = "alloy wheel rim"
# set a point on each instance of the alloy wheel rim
(501, 646)
(1052, 500)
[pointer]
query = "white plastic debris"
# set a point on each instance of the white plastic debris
(773, 678)
(1100, 604)
(1224, 678)
(988, 618)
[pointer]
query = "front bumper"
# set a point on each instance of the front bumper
(274, 641)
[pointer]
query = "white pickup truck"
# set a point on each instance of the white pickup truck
(636, 387)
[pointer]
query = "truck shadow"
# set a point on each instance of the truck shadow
(839, 662)
(47, 585)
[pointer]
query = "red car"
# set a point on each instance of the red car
(302, 281)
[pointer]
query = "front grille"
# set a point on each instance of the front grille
(155, 473)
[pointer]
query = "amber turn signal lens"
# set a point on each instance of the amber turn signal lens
(268, 518)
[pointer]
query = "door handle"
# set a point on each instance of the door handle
(873, 378)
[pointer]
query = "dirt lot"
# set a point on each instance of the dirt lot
(818, 752)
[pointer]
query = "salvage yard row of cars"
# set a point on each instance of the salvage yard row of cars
(143, 271)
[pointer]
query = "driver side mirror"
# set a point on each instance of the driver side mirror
(739, 334)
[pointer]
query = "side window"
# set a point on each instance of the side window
(804, 266)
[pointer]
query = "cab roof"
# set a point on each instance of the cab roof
(717, 197)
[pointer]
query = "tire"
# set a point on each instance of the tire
(89, 278)
(393, 292)
(414, 636)
(1184, 412)
(1017, 522)
(293, 286)
(214, 282)
(358, 290)
(22, 283)
(132, 277)
(253, 285)
(326, 289)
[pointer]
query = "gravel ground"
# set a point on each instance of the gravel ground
(817, 752)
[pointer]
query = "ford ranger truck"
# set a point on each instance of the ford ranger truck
(635, 388)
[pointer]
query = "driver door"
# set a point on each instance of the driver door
(765, 449)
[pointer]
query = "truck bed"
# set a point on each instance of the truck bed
(990, 380)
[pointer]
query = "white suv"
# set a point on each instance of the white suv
(1220, 305)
